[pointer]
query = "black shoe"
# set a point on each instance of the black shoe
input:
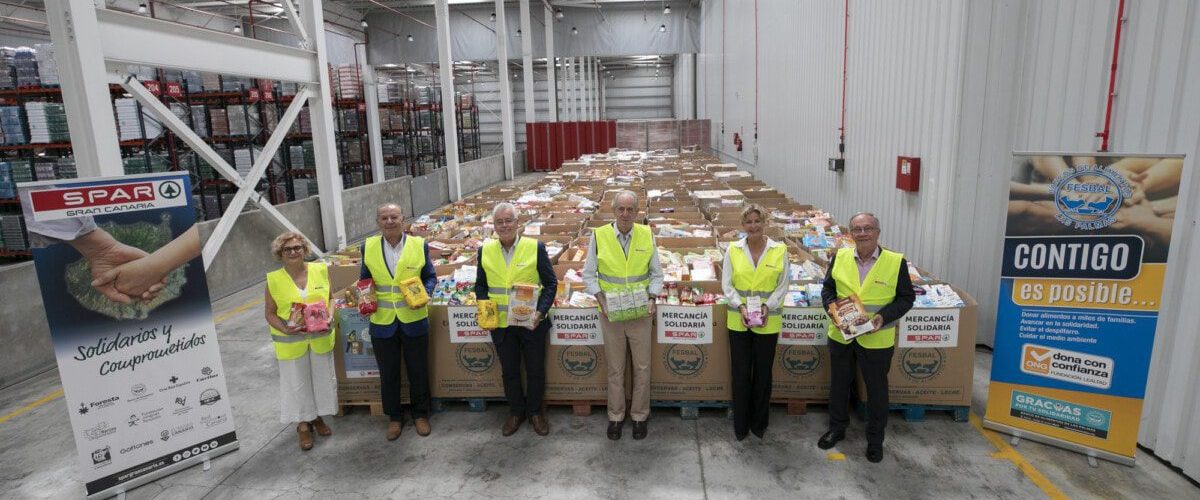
(614, 429)
(758, 433)
(639, 429)
(829, 439)
(739, 435)
(875, 453)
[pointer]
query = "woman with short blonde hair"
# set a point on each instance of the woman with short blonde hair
(307, 381)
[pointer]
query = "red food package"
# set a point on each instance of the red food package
(368, 302)
(296, 316)
(316, 317)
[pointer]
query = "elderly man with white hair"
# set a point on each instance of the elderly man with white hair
(504, 262)
(622, 261)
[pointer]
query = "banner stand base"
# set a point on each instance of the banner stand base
(1091, 453)
(205, 459)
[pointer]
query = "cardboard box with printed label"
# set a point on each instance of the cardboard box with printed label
(934, 363)
(801, 369)
(690, 359)
(576, 366)
(354, 360)
(463, 362)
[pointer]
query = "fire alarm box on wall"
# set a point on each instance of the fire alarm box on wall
(908, 173)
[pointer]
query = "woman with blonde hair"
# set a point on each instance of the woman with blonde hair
(307, 381)
(755, 280)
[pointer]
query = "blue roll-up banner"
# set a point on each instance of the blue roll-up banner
(1085, 257)
(123, 284)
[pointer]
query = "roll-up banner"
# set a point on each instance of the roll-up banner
(122, 281)
(1085, 254)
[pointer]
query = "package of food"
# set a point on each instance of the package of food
(753, 315)
(296, 316)
(368, 301)
(522, 303)
(488, 317)
(316, 317)
(345, 298)
(414, 293)
(627, 305)
(850, 314)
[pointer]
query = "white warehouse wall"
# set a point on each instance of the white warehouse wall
(975, 82)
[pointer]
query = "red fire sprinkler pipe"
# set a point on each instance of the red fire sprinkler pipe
(1106, 134)
(845, 51)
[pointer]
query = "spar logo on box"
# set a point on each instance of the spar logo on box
(1068, 366)
(66, 203)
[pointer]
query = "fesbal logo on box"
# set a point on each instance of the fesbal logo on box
(1067, 366)
(65, 203)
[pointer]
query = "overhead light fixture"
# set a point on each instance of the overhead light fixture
(662, 28)
(574, 31)
(389, 65)
(518, 33)
(493, 17)
(410, 38)
(558, 14)
(667, 9)
(237, 28)
(364, 23)
(142, 8)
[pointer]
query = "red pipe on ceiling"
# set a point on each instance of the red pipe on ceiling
(1106, 134)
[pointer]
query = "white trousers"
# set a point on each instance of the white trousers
(307, 387)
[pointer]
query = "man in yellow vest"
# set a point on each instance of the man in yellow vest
(398, 330)
(623, 258)
(503, 262)
(880, 279)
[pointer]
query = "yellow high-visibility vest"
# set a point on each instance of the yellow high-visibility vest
(502, 276)
(387, 284)
(284, 292)
(876, 291)
(617, 271)
(750, 281)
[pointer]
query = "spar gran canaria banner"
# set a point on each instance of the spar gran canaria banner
(1085, 254)
(122, 281)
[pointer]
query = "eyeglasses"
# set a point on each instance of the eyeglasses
(622, 210)
(293, 249)
(504, 222)
(863, 230)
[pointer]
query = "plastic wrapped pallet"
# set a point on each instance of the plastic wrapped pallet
(243, 120)
(26, 68)
(244, 158)
(47, 68)
(199, 123)
(129, 124)
(47, 122)
(219, 120)
(11, 126)
(66, 168)
(210, 81)
(8, 187)
(8, 74)
(12, 227)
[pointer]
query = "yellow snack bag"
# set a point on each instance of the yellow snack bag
(488, 317)
(414, 293)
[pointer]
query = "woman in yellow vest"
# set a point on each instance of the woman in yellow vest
(755, 273)
(307, 381)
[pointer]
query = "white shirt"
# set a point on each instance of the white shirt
(510, 251)
(391, 254)
(781, 286)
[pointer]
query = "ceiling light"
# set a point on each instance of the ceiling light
(389, 65)
(364, 23)
(518, 33)
(493, 17)
(141, 8)
(558, 14)
(574, 31)
(410, 38)
(667, 9)
(237, 28)
(662, 28)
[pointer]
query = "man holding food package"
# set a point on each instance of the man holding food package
(516, 309)
(403, 278)
(623, 272)
(866, 290)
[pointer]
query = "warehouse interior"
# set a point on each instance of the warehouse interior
(775, 89)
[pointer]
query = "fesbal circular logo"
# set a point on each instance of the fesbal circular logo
(922, 363)
(800, 359)
(684, 360)
(1088, 197)
(579, 360)
(476, 357)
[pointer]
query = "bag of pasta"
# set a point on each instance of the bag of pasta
(414, 293)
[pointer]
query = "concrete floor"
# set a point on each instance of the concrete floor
(466, 457)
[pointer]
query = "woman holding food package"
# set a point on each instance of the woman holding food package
(755, 280)
(298, 311)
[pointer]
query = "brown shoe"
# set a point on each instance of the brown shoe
(511, 425)
(393, 431)
(306, 437)
(322, 429)
(422, 425)
(540, 425)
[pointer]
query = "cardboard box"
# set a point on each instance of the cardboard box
(690, 371)
(935, 375)
(801, 372)
(578, 371)
(342, 276)
(354, 360)
(461, 370)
